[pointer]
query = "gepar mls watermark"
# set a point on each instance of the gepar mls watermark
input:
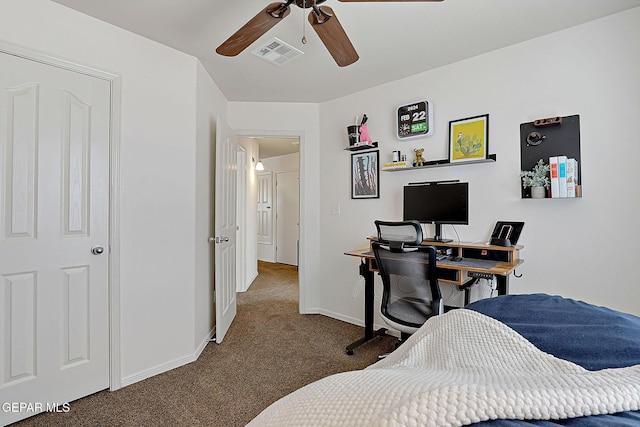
(34, 407)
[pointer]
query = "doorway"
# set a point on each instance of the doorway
(279, 154)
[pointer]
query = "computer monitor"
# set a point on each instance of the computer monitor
(444, 202)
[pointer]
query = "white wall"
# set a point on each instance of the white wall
(285, 163)
(157, 180)
(581, 248)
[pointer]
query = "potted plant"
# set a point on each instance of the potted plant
(537, 179)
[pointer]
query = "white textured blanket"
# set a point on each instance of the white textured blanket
(459, 368)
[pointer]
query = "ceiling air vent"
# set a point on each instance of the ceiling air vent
(277, 52)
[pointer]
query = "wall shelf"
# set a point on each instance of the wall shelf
(439, 163)
(362, 147)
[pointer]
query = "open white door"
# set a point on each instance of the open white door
(225, 239)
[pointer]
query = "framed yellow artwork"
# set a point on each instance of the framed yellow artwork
(469, 139)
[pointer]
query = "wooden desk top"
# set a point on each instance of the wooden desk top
(503, 268)
(467, 245)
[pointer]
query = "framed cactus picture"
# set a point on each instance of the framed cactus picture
(469, 139)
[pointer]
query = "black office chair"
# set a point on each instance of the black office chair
(411, 293)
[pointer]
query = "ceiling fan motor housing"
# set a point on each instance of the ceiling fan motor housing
(304, 4)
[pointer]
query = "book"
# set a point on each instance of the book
(553, 171)
(572, 169)
(562, 176)
(392, 165)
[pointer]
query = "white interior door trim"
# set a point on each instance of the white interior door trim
(114, 193)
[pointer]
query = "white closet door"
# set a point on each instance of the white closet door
(54, 248)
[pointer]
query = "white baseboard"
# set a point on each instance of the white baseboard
(351, 320)
(132, 379)
(249, 282)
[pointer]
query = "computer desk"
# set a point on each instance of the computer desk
(499, 261)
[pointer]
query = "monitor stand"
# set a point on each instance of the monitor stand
(438, 236)
(437, 239)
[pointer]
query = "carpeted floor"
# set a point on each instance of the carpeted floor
(269, 351)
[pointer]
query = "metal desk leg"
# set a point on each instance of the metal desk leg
(503, 284)
(369, 333)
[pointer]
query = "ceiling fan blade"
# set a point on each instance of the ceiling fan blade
(326, 24)
(254, 29)
(388, 1)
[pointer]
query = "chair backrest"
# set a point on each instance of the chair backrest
(411, 293)
(397, 234)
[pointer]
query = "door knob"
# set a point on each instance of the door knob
(97, 250)
(218, 239)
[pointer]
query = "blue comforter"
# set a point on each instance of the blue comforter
(587, 335)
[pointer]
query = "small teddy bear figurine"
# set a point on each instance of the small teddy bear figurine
(419, 161)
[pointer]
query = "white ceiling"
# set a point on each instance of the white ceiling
(394, 39)
(274, 147)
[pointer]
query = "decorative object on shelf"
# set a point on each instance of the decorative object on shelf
(419, 160)
(538, 192)
(564, 177)
(537, 179)
(365, 175)
(353, 133)
(358, 135)
(414, 120)
(573, 186)
(398, 157)
(469, 139)
(364, 131)
(535, 138)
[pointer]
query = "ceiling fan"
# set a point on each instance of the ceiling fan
(322, 19)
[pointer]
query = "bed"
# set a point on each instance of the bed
(509, 361)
